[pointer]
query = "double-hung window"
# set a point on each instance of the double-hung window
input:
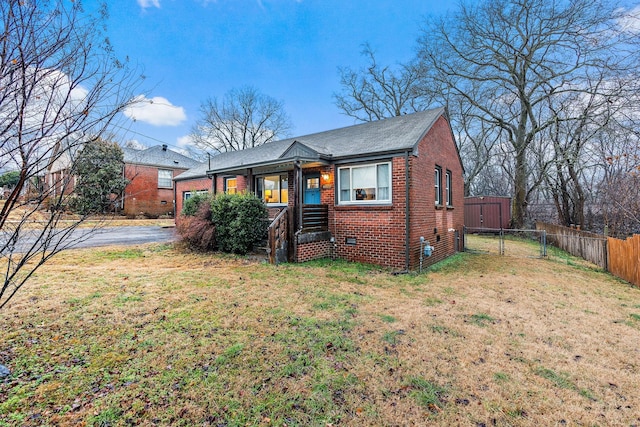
(438, 185)
(165, 178)
(273, 188)
(231, 185)
(365, 184)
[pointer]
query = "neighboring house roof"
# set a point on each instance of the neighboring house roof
(160, 156)
(62, 156)
(393, 135)
(199, 171)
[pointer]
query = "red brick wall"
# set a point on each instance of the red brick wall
(142, 195)
(379, 230)
(313, 250)
(199, 184)
(427, 220)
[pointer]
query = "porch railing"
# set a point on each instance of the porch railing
(315, 218)
(277, 232)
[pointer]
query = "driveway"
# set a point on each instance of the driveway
(105, 236)
(127, 236)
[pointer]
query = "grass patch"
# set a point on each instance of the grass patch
(562, 380)
(111, 255)
(392, 337)
(481, 319)
(457, 262)
(151, 335)
(501, 377)
(388, 319)
(427, 393)
(430, 302)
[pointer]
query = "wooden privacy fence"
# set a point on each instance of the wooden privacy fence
(590, 246)
(619, 257)
(624, 258)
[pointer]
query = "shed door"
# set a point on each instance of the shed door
(311, 189)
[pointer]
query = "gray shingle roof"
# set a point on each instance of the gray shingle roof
(158, 156)
(199, 171)
(391, 135)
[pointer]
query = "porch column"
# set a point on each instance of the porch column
(297, 199)
(250, 184)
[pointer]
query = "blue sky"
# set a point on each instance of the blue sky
(288, 49)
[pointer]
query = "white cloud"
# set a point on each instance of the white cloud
(157, 111)
(149, 3)
(185, 141)
(630, 20)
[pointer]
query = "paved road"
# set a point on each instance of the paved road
(87, 238)
(127, 236)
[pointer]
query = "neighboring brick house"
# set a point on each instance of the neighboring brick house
(365, 193)
(58, 178)
(151, 172)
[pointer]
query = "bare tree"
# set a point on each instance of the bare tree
(511, 60)
(618, 189)
(376, 92)
(244, 118)
(60, 86)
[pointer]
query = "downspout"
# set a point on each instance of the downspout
(175, 200)
(407, 252)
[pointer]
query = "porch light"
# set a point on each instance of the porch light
(325, 177)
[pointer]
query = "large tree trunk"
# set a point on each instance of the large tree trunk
(519, 204)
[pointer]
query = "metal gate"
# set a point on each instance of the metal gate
(507, 242)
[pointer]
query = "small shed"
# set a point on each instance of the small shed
(487, 212)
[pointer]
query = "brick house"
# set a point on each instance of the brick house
(365, 193)
(151, 171)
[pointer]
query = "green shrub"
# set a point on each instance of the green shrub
(240, 221)
(192, 204)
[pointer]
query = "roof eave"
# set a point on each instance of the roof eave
(273, 163)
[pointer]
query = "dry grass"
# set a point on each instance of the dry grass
(154, 336)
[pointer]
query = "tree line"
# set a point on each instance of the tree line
(542, 97)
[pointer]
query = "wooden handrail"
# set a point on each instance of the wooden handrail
(277, 233)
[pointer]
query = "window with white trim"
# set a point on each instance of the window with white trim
(365, 184)
(186, 195)
(165, 178)
(231, 185)
(273, 189)
(448, 189)
(438, 185)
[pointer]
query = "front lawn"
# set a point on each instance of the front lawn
(151, 335)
